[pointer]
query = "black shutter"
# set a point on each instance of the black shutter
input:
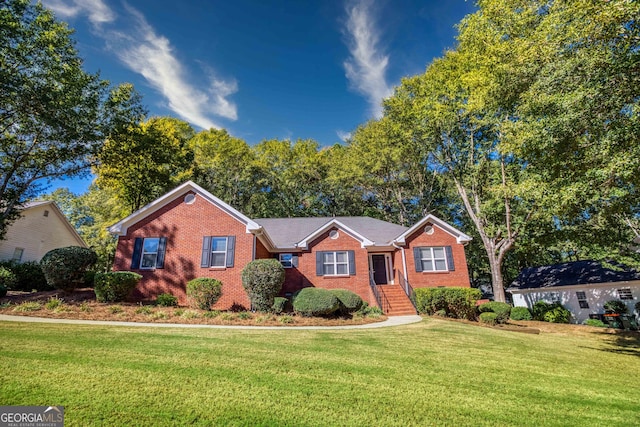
(449, 253)
(352, 262)
(417, 259)
(205, 259)
(137, 252)
(231, 249)
(294, 260)
(319, 263)
(162, 247)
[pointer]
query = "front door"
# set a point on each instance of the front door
(379, 267)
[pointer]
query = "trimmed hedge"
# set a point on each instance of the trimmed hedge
(553, 313)
(204, 292)
(520, 313)
(315, 302)
(489, 317)
(8, 280)
(350, 302)
(262, 279)
(456, 302)
(115, 286)
(29, 276)
(167, 300)
(64, 268)
(501, 309)
(279, 305)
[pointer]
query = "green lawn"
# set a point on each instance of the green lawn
(431, 373)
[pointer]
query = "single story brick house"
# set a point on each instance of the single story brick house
(189, 233)
(582, 287)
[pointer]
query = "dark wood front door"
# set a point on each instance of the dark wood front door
(379, 266)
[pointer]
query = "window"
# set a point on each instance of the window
(625, 293)
(17, 254)
(286, 260)
(433, 259)
(218, 251)
(335, 263)
(46, 213)
(148, 253)
(582, 299)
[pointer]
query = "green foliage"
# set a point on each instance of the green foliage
(8, 279)
(489, 317)
(616, 306)
(262, 279)
(279, 305)
(203, 292)
(350, 302)
(557, 314)
(65, 268)
(369, 311)
(115, 309)
(315, 302)
(54, 303)
(520, 313)
(29, 276)
(115, 286)
(540, 308)
(244, 315)
(28, 306)
(502, 310)
(456, 302)
(595, 322)
(145, 310)
(167, 300)
(3, 291)
(286, 319)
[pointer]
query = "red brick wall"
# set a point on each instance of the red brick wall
(305, 274)
(459, 277)
(184, 227)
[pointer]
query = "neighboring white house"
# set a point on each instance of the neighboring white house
(582, 287)
(41, 227)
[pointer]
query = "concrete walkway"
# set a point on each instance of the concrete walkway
(391, 321)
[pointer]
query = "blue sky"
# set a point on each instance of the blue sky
(262, 69)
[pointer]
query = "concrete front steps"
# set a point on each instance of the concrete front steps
(399, 303)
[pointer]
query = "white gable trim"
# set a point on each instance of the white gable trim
(121, 227)
(459, 235)
(613, 285)
(364, 242)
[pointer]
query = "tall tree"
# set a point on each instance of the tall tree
(52, 113)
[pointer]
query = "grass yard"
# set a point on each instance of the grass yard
(432, 373)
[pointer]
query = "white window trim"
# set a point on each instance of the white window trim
(286, 263)
(433, 259)
(335, 263)
(143, 253)
(582, 297)
(211, 257)
(18, 259)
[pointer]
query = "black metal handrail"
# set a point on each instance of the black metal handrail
(404, 283)
(381, 298)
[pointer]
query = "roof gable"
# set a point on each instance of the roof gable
(432, 219)
(121, 227)
(29, 207)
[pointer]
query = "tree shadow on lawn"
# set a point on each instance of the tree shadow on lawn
(623, 342)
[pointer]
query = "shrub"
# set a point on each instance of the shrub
(279, 305)
(315, 302)
(244, 315)
(145, 309)
(262, 279)
(501, 309)
(167, 300)
(211, 314)
(615, 306)
(540, 308)
(64, 268)
(286, 319)
(520, 313)
(28, 306)
(204, 292)
(53, 303)
(8, 279)
(489, 317)
(595, 322)
(350, 302)
(115, 286)
(29, 276)
(3, 291)
(456, 302)
(370, 311)
(557, 314)
(115, 309)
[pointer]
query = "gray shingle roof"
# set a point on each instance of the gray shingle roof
(571, 273)
(286, 232)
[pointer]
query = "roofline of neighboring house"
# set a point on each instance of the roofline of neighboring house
(459, 235)
(620, 283)
(364, 242)
(120, 228)
(61, 215)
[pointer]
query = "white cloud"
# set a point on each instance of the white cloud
(151, 55)
(367, 65)
(96, 10)
(344, 136)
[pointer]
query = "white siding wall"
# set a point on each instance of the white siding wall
(596, 295)
(37, 234)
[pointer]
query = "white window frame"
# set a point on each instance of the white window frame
(582, 299)
(226, 245)
(286, 263)
(625, 293)
(155, 254)
(335, 263)
(428, 254)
